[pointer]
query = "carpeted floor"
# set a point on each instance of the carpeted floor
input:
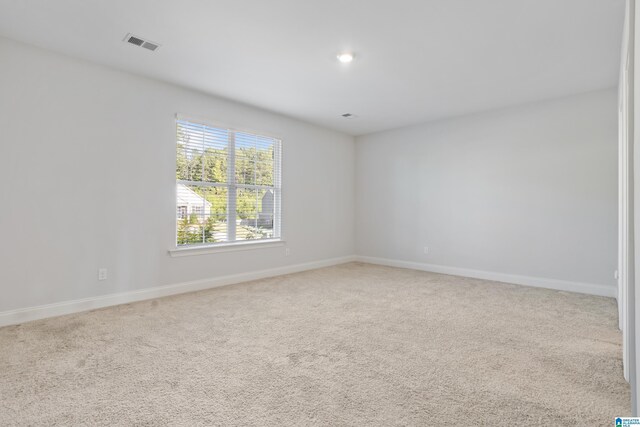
(352, 345)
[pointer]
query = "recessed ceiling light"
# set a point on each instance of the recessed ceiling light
(345, 57)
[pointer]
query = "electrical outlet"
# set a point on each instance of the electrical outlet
(102, 274)
(287, 251)
(426, 250)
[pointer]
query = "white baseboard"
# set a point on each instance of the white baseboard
(559, 285)
(22, 315)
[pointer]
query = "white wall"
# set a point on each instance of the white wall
(87, 180)
(528, 191)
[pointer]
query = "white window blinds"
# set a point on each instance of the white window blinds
(228, 186)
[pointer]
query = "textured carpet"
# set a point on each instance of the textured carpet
(349, 345)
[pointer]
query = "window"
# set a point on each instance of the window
(182, 212)
(228, 186)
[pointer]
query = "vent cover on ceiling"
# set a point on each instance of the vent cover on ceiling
(139, 41)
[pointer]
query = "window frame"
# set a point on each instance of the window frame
(232, 187)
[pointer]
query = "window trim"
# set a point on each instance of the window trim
(236, 245)
(212, 248)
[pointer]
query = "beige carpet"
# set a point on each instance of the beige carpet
(351, 345)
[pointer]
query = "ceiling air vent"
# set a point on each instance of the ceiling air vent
(139, 41)
(149, 45)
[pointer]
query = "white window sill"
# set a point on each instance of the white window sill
(225, 247)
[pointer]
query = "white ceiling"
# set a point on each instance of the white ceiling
(416, 60)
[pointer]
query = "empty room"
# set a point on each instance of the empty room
(319, 213)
